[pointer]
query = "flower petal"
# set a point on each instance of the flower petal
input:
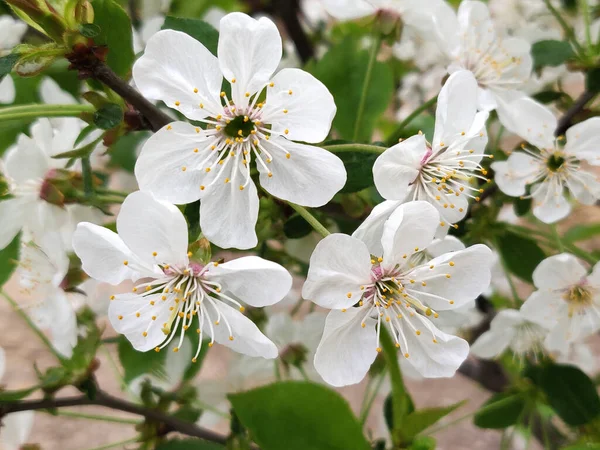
(299, 104)
(16, 428)
(371, 230)
(228, 215)
(533, 122)
(310, 177)
(559, 272)
(544, 308)
(247, 338)
(347, 349)
(549, 202)
(456, 108)
(339, 266)
(585, 187)
(169, 165)
(398, 167)
(253, 280)
(492, 343)
(582, 140)
(26, 161)
(348, 9)
(180, 71)
(514, 174)
(155, 231)
(455, 279)
(409, 229)
(13, 212)
(7, 90)
(249, 53)
(103, 254)
(448, 244)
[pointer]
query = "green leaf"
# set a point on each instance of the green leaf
(296, 227)
(582, 232)
(521, 255)
(298, 416)
(359, 167)
(198, 29)
(422, 419)
(592, 80)
(570, 392)
(343, 70)
(583, 446)
(551, 53)
(7, 63)
(423, 443)
(123, 152)
(522, 206)
(9, 256)
(109, 116)
(188, 444)
(137, 363)
(89, 30)
(500, 411)
(115, 33)
(11, 396)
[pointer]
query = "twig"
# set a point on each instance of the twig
(288, 10)
(565, 121)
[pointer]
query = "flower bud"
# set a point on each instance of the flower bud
(84, 12)
(388, 23)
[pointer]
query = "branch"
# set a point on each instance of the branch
(104, 399)
(565, 121)
(287, 10)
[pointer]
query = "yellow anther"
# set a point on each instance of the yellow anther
(416, 249)
(452, 302)
(183, 169)
(144, 334)
(287, 131)
(176, 349)
(157, 349)
(406, 355)
(233, 80)
(112, 297)
(222, 94)
(201, 105)
(242, 309)
(288, 156)
(169, 127)
(227, 180)
(195, 90)
(125, 263)
(418, 333)
(447, 275)
(247, 94)
(271, 84)
(120, 317)
(363, 324)
(177, 103)
(285, 111)
(207, 169)
(451, 263)
(349, 295)
(210, 344)
(379, 350)
(202, 188)
(290, 92)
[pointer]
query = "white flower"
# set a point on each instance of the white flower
(28, 165)
(16, 427)
(441, 172)
(366, 293)
(500, 65)
(182, 163)
(176, 293)
(510, 330)
(42, 269)
(11, 32)
(567, 300)
(554, 169)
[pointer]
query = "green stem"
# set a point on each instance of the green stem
(365, 89)
(303, 372)
(397, 134)
(586, 18)
(569, 34)
(341, 148)
(112, 192)
(364, 415)
(116, 444)
(452, 422)
(33, 326)
(277, 370)
(513, 289)
(35, 111)
(100, 418)
(88, 176)
(297, 307)
(559, 244)
(318, 226)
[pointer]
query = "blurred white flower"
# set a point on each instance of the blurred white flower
(11, 32)
(176, 293)
(366, 293)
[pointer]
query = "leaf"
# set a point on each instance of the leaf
(139, 363)
(522, 206)
(500, 411)
(343, 70)
(359, 167)
(89, 30)
(592, 80)
(551, 53)
(188, 444)
(109, 116)
(583, 446)
(298, 416)
(11, 396)
(582, 232)
(422, 419)
(7, 63)
(521, 255)
(123, 152)
(570, 392)
(296, 227)
(115, 33)
(9, 256)
(198, 29)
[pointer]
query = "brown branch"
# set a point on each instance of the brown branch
(565, 121)
(104, 399)
(288, 11)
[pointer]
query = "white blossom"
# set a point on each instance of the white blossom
(11, 32)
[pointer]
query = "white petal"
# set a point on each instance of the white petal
(7, 90)
(549, 202)
(339, 266)
(585, 187)
(371, 230)
(348, 9)
(533, 122)
(544, 308)
(456, 108)
(309, 106)
(469, 277)
(228, 214)
(122, 313)
(410, 228)
(247, 338)
(169, 163)
(64, 323)
(26, 161)
(253, 280)
(249, 52)
(16, 428)
(398, 167)
(514, 174)
(173, 66)
(445, 245)
(582, 140)
(51, 93)
(155, 231)
(346, 350)
(505, 319)
(281, 329)
(103, 254)
(492, 344)
(310, 177)
(13, 212)
(558, 272)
